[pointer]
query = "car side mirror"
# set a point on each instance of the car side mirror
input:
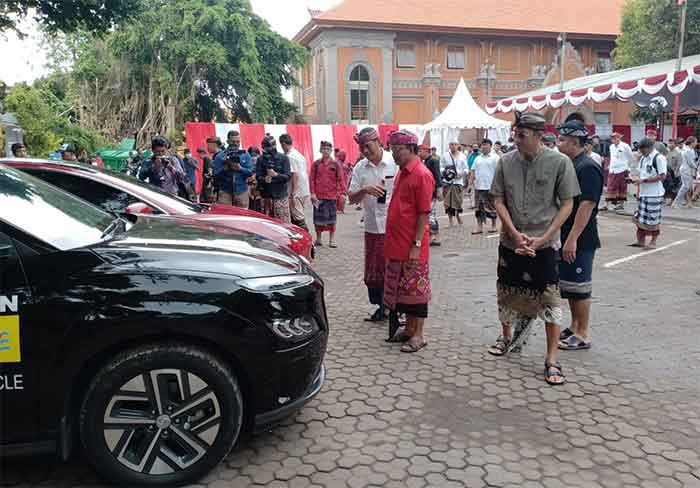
(137, 209)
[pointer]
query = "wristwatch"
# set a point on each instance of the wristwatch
(417, 243)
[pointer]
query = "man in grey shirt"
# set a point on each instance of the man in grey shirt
(533, 192)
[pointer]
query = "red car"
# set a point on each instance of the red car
(119, 193)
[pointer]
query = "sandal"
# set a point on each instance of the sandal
(500, 348)
(635, 244)
(493, 231)
(565, 334)
(332, 244)
(412, 347)
(477, 232)
(552, 371)
(574, 343)
(377, 316)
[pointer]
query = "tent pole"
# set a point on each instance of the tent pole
(679, 65)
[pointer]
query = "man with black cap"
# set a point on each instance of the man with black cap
(533, 192)
(652, 173)
(68, 152)
(273, 172)
(19, 150)
(579, 234)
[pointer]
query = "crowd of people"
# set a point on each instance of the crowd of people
(546, 190)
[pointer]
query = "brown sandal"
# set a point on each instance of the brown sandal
(500, 348)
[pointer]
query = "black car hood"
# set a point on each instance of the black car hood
(189, 245)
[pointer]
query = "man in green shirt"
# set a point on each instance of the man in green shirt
(533, 192)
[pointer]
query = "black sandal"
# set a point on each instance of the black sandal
(500, 348)
(553, 370)
(565, 334)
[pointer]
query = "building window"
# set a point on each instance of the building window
(601, 118)
(455, 57)
(359, 95)
(604, 63)
(405, 56)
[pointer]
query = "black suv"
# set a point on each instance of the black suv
(151, 342)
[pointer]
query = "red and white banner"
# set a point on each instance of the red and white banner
(307, 138)
(624, 90)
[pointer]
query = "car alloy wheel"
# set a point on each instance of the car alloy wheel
(162, 421)
(160, 415)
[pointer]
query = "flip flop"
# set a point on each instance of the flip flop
(477, 232)
(410, 347)
(332, 245)
(493, 232)
(635, 244)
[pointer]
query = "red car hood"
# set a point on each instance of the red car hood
(289, 235)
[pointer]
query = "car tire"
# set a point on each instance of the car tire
(160, 415)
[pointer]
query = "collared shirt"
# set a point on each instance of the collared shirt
(327, 179)
(459, 163)
(297, 163)
(229, 181)
(367, 173)
(166, 177)
(590, 180)
(675, 160)
(413, 196)
(533, 191)
(621, 158)
(484, 169)
(647, 169)
(690, 161)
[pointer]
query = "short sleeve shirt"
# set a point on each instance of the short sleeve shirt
(413, 196)
(590, 179)
(533, 190)
(367, 173)
(297, 163)
(647, 169)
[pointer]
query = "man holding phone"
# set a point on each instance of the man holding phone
(371, 185)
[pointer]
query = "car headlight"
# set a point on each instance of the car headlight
(275, 283)
(296, 329)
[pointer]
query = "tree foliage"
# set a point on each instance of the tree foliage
(44, 122)
(177, 61)
(66, 15)
(650, 32)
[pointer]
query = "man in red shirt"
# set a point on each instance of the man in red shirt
(327, 181)
(406, 247)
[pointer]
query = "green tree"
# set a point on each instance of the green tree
(66, 15)
(177, 61)
(650, 32)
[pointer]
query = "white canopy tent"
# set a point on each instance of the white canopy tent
(463, 113)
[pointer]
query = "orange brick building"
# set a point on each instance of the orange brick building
(399, 61)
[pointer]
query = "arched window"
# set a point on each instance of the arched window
(359, 95)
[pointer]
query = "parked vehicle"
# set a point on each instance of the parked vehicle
(150, 341)
(115, 192)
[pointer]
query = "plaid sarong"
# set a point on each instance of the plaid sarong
(648, 214)
(325, 215)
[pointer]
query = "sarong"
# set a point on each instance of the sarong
(278, 209)
(648, 215)
(528, 288)
(617, 187)
(407, 287)
(484, 206)
(576, 279)
(325, 215)
(454, 197)
(374, 267)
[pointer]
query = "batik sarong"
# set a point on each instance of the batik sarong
(407, 287)
(484, 206)
(617, 187)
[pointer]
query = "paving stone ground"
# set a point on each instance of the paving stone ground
(452, 416)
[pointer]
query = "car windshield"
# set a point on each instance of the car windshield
(49, 214)
(172, 204)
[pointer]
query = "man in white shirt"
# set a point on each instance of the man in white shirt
(688, 171)
(300, 193)
(652, 173)
(590, 144)
(621, 160)
(371, 185)
(484, 170)
(454, 169)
